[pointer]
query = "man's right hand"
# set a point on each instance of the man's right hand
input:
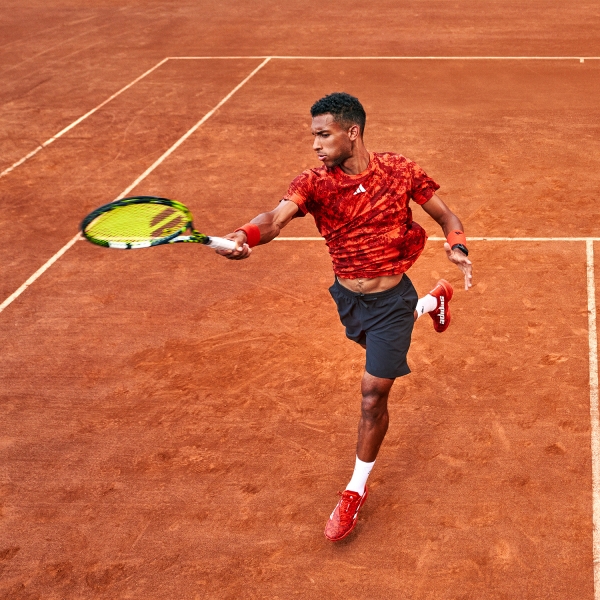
(242, 248)
(269, 223)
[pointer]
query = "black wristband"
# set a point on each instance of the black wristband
(462, 248)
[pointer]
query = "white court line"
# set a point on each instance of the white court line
(38, 273)
(79, 120)
(145, 174)
(471, 239)
(579, 58)
(525, 239)
(594, 413)
(299, 239)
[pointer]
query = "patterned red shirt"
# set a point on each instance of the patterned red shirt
(365, 218)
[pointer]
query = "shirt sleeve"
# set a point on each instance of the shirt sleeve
(301, 192)
(423, 187)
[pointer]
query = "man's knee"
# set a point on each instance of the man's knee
(375, 392)
(373, 409)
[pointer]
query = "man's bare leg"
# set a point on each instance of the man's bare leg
(374, 418)
(372, 428)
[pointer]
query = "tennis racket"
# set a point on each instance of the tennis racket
(143, 222)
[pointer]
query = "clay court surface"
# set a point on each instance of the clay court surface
(176, 426)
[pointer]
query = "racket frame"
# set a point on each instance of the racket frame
(172, 238)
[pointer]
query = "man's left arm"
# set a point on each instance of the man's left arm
(451, 226)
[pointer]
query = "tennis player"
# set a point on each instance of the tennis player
(360, 203)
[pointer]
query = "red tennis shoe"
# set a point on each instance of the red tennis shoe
(343, 518)
(441, 315)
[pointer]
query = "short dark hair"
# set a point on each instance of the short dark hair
(344, 108)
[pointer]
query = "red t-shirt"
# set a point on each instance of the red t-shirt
(365, 218)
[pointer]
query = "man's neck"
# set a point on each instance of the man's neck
(357, 163)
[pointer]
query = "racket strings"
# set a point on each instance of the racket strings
(137, 222)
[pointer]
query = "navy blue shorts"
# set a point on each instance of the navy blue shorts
(383, 322)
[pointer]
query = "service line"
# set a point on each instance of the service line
(471, 239)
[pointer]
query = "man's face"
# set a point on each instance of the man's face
(332, 143)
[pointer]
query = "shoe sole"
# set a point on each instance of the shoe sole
(355, 520)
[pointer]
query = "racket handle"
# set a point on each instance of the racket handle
(219, 243)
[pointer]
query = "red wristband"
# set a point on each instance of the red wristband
(457, 237)
(252, 234)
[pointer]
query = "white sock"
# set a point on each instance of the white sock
(426, 304)
(360, 476)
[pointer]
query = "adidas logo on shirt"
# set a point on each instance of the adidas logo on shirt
(359, 190)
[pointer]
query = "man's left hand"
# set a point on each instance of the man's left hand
(462, 262)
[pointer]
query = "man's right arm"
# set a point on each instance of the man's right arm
(268, 226)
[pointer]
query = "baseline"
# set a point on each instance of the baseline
(581, 59)
(471, 239)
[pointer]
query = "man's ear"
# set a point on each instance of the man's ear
(354, 132)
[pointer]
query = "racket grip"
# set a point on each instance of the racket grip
(220, 243)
